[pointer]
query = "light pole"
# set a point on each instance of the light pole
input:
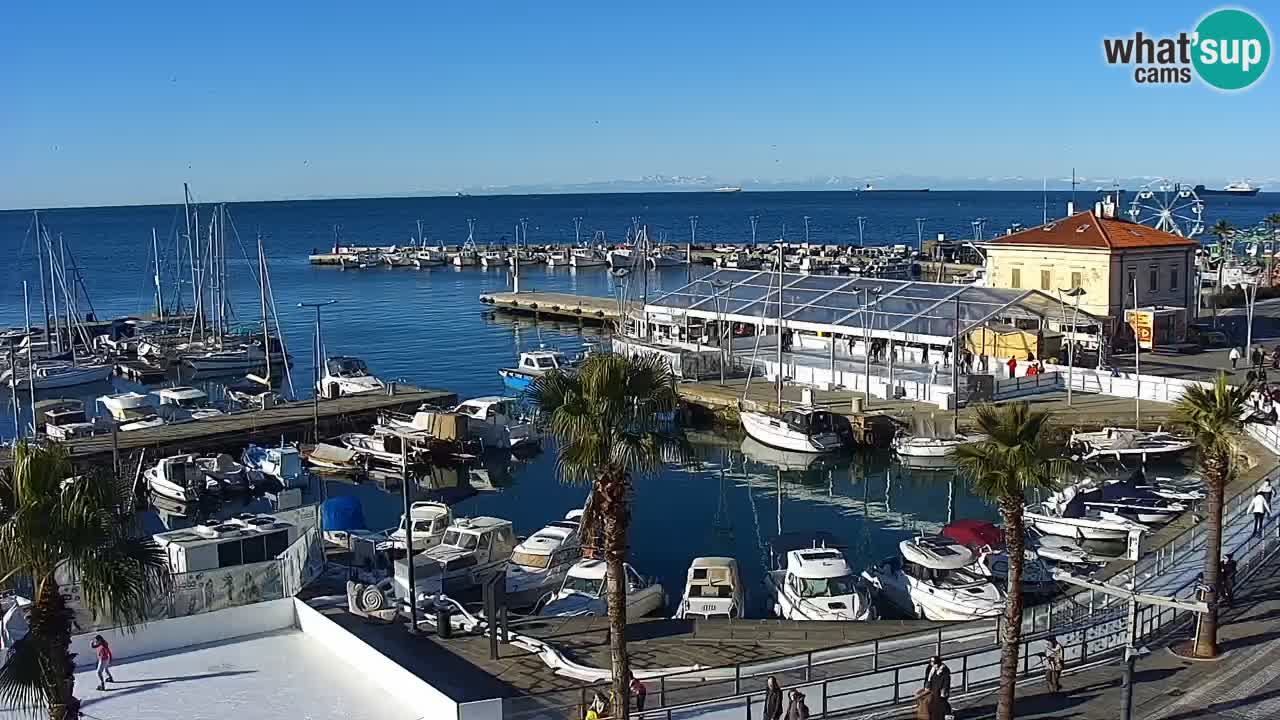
(920, 234)
(1075, 292)
(754, 220)
(806, 231)
(318, 361)
(862, 223)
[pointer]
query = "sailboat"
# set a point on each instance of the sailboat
(467, 256)
(257, 389)
(804, 429)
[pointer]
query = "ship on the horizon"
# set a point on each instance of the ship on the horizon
(1240, 188)
(729, 189)
(870, 188)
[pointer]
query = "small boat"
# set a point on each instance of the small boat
(251, 392)
(179, 478)
(1118, 443)
(804, 429)
(558, 258)
(360, 260)
(930, 579)
(728, 189)
(587, 257)
(992, 562)
(532, 364)
(1064, 513)
(333, 458)
(52, 375)
(494, 421)
(429, 257)
(472, 551)
(541, 561)
(522, 257)
(1068, 551)
(623, 257)
(224, 470)
(493, 258)
(933, 448)
(583, 593)
(739, 261)
(811, 580)
(183, 403)
(466, 256)
(344, 376)
(283, 463)
(64, 419)
(712, 589)
(383, 447)
(399, 258)
(430, 521)
(666, 258)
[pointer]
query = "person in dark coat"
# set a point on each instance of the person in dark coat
(1227, 578)
(772, 699)
(796, 709)
(937, 681)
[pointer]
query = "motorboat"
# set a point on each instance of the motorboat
(623, 257)
(360, 260)
(383, 447)
(64, 419)
(282, 463)
(1120, 443)
(52, 375)
(466, 256)
(992, 561)
(541, 561)
(1064, 513)
(712, 589)
(252, 392)
(932, 448)
(558, 258)
(931, 579)
(127, 407)
(472, 551)
(493, 258)
(345, 375)
(183, 403)
(494, 421)
(739, 261)
(811, 580)
(521, 257)
(429, 257)
(665, 258)
(224, 470)
(180, 478)
(247, 356)
(1064, 550)
(333, 458)
(399, 258)
(784, 460)
(804, 429)
(532, 364)
(587, 257)
(584, 593)
(430, 522)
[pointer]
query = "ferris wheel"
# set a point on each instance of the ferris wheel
(1168, 206)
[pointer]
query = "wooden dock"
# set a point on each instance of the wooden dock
(565, 306)
(234, 430)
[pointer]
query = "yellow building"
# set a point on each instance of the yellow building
(1102, 254)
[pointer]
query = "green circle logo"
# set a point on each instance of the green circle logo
(1232, 49)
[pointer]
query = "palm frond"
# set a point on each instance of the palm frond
(1016, 456)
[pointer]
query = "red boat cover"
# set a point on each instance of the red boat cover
(975, 533)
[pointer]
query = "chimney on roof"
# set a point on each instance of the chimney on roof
(1107, 208)
(1071, 208)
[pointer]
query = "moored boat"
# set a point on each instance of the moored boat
(584, 594)
(811, 580)
(930, 579)
(804, 429)
(712, 589)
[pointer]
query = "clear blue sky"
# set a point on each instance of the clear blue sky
(105, 103)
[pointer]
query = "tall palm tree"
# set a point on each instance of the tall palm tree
(1223, 230)
(1016, 457)
(58, 527)
(1273, 222)
(605, 416)
(1215, 417)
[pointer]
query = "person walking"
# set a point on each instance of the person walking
(1255, 357)
(1054, 659)
(1013, 366)
(1234, 355)
(1264, 489)
(937, 681)
(933, 373)
(100, 646)
(639, 691)
(1227, 580)
(772, 699)
(796, 709)
(1260, 509)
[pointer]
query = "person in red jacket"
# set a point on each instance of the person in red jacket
(100, 645)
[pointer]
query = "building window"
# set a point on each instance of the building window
(1153, 279)
(1075, 281)
(1046, 278)
(1173, 279)
(1015, 279)
(1132, 284)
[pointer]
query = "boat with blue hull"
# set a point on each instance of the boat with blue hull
(532, 364)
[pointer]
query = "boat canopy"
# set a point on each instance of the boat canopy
(936, 552)
(344, 366)
(975, 533)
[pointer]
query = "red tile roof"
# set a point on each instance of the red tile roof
(1087, 230)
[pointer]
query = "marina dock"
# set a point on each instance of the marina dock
(563, 306)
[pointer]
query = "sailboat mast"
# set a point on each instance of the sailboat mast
(155, 250)
(53, 295)
(44, 295)
(31, 361)
(781, 280)
(262, 288)
(66, 293)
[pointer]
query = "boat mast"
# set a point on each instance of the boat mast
(781, 280)
(53, 294)
(44, 296)
(66, 294)
(222, 265)
(155, 250)
(262, 288)
(31, 362)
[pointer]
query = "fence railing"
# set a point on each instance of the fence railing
(1091, 626)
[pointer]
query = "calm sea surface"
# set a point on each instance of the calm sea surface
(427, 328)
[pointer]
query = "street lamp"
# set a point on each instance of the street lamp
(318, 361)
(1075, 292)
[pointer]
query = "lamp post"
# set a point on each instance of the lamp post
(1076, 293)
(318, 361)
(754, 220)
(862, 222)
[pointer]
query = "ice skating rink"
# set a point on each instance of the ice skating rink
(278, 676)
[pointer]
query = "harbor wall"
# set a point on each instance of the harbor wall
(177, 633)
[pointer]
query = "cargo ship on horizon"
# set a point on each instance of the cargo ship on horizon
(1239, 188)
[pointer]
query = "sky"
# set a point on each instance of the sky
(119, 103)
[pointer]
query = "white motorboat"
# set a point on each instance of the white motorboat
(360, 260)
(466, 256)
(382, 447)
(333, 458)
(127, 407)
(472, 551)
(587, 257)
(812, 580)
(179, 478)
(930, 579)
(712, 589)
(937, 448)
(182, 403)
(345, 375)
(539, 563)
(52, 375)
(803, 429)
(495, 422)
(558, 258)
(1119, 443)
(1064, 513)
(584, 593)
(283, 463)
(493, 258)
(224, 470)
(429, 257)
(430, 522)
(532, 364)
(64, 419)
(987, 543)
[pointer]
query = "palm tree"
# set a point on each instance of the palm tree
(1273, 222)
(1015, 458)
(605, 417)
(1215, 417)
(1223, 230)
(57, 527)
